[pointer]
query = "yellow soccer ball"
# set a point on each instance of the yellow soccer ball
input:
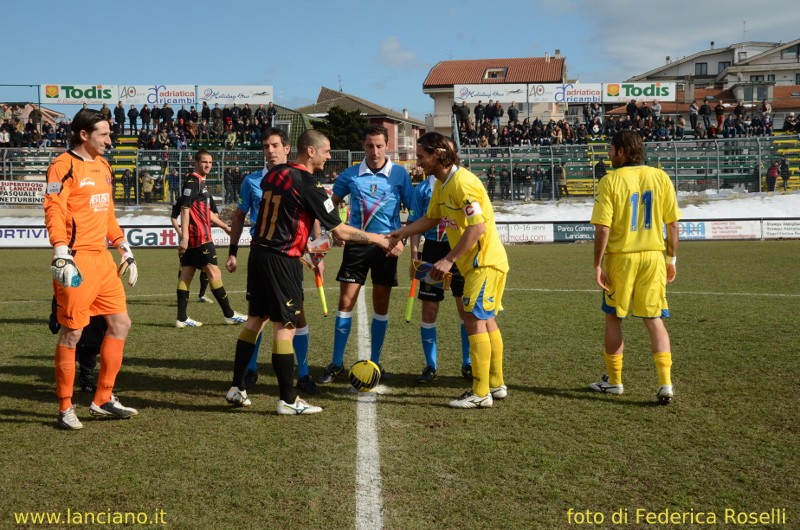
(365, 375)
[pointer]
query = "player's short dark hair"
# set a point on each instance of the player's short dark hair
(310, 138)
(200, 153)
(84, 120)
(631, 142)
(274, 131)
(442, 146)
(375, 130)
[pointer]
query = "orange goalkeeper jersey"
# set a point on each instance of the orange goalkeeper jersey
(79, 203)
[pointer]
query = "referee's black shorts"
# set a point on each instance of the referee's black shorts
(433, 251)
(274, 286)
(360, 259)
(199, 257)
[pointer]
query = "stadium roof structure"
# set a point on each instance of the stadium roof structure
(329, 98)
(518, 70)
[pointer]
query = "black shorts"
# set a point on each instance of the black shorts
(274, 286)
(199, 257)
(360, 259)
(433, 251)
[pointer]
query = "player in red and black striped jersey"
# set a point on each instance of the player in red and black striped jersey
(292, 199)
(196, 248)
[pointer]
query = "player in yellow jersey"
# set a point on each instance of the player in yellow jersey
(633, 204)
(79, 215)
(460, 201)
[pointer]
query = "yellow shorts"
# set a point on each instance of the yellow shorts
(483, 292)
(638, 285)
(100, 293)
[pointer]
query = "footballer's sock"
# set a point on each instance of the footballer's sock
(481, 354)
(464, 345)
(110, 363)
(252, 366)
(183, 300)
(344, 321)
(428, 334)
(614, 368)
(244, 351)
(663, 362)
(496, 364)
(65, 376)
(283, 364)
(300, 343)
(219, 293)
(203, 284)
(378, 333)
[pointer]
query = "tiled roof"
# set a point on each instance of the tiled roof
(520, 70)
(329, 98)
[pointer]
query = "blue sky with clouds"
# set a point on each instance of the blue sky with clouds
(378, 51)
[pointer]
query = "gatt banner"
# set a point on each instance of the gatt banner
(624, 92)
(78, 94)
(228, 95)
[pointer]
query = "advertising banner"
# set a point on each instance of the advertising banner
(78, 94)
(624, 92)
(573, 232)
(513, 233)
(21, 192)
(137, 236)
(227, 95)
(565, 93)
(781, 229)
(530, 93)
(156, 95)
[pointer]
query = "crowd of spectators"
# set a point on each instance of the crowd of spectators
(18, 131)
(231, 125)
(483, 126)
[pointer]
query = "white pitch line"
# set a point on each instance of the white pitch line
(369, 504)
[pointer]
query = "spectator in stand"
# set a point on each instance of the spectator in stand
(600, 170)
(478, 113)
(182, 115)
(271, 113)
(656, 109)
(127, 185)
(785, 172)
(144, 115)
(133, 117)
(462, 114)
(790, 123)
(527, 182)
(705, 113)
(194, 117)
(203, 132)
(772, 176)
(156, 115)
(247, 112)
(497, 114)
(217, 117)
(491, 181)
(236, 113)
(143, 139)
(693, 112)
(174, 183)
(106, 112)
(260, 114)
(167, 115)
(488, 112)
(561, 176)
(513, 112)
(205, 113)
(147, 187)
(505, 184)
(119, 119)
(739, 110)
(719, 112)
(632, 109)
(766, 108)
(680, 128)
(538, 181)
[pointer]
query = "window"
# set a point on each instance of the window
(756, 78)
(742, 56)
(761, 93)
(722, 66)
(797, 79)
(495, 73)
(771, 77)
(700, 68)
(792, 52)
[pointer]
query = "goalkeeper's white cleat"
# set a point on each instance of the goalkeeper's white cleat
(469, 400)
(298, 407)
(500, 392)
(236, 318)
(665, 394)
(238, 397)
(188, 323)
(607, 388)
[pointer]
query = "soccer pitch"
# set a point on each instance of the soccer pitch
(551, 455)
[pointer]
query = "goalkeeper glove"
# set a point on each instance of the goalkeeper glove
(63, 268)
(127, 263)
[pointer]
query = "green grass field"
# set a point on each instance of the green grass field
(730, 441)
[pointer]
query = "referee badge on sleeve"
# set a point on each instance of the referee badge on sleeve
(54, 187)
(328, 205)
